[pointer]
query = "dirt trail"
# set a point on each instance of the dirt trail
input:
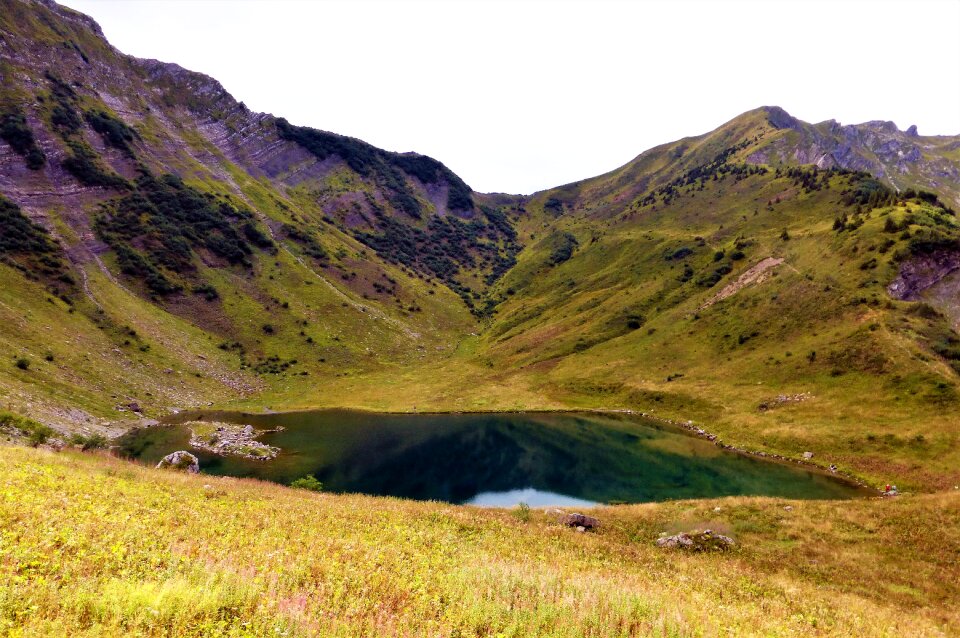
(756, 274)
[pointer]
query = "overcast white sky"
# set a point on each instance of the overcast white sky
(524, 95)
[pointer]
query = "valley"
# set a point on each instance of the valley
(775, 287)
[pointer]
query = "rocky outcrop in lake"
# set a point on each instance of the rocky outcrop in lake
(231, 439)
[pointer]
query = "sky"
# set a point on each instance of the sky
(522, 95)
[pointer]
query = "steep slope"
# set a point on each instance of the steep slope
(751, 298)
(215, 251)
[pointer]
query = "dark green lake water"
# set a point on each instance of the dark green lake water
(496, 459)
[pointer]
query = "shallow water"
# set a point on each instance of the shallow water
(542, 459)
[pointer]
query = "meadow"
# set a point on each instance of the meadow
(95, 546)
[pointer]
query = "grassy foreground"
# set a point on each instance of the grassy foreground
(91, 545)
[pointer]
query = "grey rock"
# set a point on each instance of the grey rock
(704, 541)
(808, 455)
(579, 520)
(180, 460)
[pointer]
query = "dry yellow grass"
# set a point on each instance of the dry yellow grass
(91, 545)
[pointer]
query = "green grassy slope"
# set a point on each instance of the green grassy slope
(710, 300)
(197, 274)
(145, 552)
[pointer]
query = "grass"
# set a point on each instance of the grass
(144, 552)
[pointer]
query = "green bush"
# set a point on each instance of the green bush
(157, 229)
(35, 432)
(522, 513)
(563, 249)
(207, 291)
(84, 164)
(113, 131)
(89, 442)
(308, 482)
(23, 363)
(15, 132)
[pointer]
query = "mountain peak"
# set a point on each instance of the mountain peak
(69, 15)
(780, 119)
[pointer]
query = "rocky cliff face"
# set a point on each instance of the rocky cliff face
(904, 159)
(186, 123)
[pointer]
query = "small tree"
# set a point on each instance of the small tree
(785, 236)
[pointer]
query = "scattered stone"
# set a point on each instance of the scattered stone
(783, 399)
(808, 455)
(833, 468)
(133, 406)
(232, 439)
(705, 541)
(180, 460)
(579, 520)
(716, 509)
(789, 508)
(581, 528)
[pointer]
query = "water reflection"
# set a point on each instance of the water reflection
(497, 459)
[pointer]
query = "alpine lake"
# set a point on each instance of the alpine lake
(493, 459)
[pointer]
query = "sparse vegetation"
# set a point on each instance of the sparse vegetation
(408, 568)
(157, 230)
(15, 132)
(113, 130)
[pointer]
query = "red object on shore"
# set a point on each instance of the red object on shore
(888, 487)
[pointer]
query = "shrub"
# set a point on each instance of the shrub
(113, 131)
(156, 230)
(89, 442)
(35, 432)
(15, 132)
(563, 250)
(23, 363)
(207, 291)
(21, 237)
(679, 253)
(522, 513)
(308, 482)
(386, 168)
(84, 164)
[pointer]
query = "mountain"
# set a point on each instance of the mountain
(203, 251)
(164, 247)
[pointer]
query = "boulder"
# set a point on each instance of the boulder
(180, 460)
(704, 541)
(808, 455)
(579, 520)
